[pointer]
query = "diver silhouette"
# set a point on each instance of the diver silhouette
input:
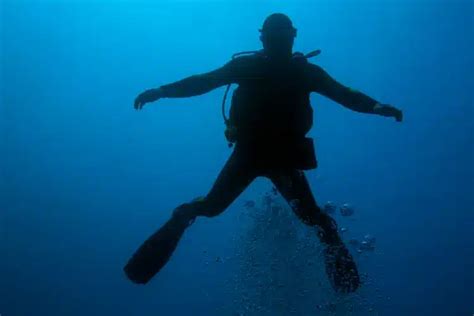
(269, 118)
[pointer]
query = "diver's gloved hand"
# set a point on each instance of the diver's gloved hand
(147, 96)
(388, 110)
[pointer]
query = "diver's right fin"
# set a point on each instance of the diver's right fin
(341, 269)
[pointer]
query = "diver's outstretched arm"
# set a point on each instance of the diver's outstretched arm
(190, 86)
(324, 84)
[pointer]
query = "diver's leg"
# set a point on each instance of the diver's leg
(340, 266)
(294, 187)
(155, 252)
(234, 178)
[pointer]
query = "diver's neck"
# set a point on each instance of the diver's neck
(279, 57)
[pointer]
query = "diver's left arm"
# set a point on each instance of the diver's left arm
(322, 83)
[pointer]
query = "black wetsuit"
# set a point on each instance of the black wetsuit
(272, 113)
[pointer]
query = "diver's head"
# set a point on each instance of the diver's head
(277, 35)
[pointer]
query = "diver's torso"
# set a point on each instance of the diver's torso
(272, 100)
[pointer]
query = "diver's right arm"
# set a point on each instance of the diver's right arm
(190, 86)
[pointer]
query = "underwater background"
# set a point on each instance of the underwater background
(85, 178)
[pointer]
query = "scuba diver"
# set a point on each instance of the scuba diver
(270, 116)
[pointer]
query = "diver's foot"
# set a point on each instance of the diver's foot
(341, 268)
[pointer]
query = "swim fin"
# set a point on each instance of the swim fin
(341, 268)
(155, 252)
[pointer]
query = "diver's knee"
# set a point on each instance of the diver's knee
(311, 216)
(201, 206)
(208, 207)
(185, 212)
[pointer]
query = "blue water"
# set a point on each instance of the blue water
(85, 178)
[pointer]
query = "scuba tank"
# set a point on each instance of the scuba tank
(230, 129)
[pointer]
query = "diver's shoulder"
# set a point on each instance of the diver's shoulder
(314, 69)
(313, 66)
